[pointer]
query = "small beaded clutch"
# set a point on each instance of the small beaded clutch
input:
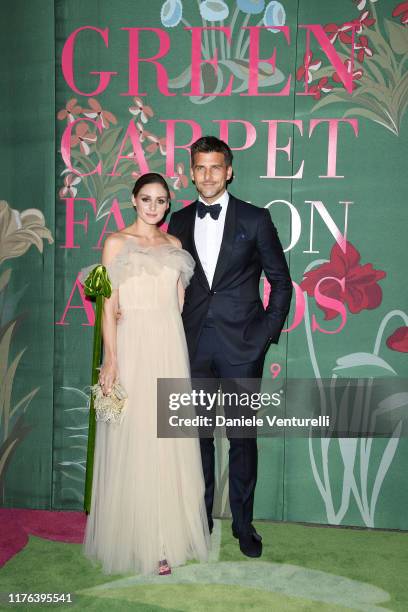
(109, 408)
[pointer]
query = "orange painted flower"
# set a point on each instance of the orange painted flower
(181, 179)
(71, 109)
(141, 109)
(156, 143)
(97, 112)
(83, 137)
(69, 189)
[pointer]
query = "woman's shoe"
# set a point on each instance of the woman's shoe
(164, 568)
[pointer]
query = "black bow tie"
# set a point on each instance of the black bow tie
(213, 209)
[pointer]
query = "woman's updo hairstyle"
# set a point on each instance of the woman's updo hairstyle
(147, 179)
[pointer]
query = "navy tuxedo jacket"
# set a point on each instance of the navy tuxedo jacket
(249, 245)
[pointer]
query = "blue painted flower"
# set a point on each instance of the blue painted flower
(171, 13)
(214, 10)
(252, 7)
(274, 15)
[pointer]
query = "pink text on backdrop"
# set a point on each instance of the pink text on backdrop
(131, 139)
(196, 60)
(321, 299)
(295, 222)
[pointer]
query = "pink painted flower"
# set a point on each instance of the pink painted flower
(308, 67)
(362, 291)
(398, 341)
(363, 49)
(69, 189)
(96, 112)
(141, 109)
(82, 136)
(181, 179)
(357, 74)
(401, 10)
(321, 87)
(156, 143)
(71, 109)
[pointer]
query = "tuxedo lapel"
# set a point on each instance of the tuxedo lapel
(227, 243)
(193, 250)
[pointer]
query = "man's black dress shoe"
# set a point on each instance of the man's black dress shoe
(249, 544)
(252, 529)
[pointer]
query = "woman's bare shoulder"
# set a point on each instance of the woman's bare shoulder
(174, 240)
(112, 245)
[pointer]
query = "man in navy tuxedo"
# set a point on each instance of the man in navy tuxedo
(227, 328)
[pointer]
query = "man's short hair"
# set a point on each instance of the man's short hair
(211, 144)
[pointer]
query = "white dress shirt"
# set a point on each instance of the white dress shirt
(208, 234)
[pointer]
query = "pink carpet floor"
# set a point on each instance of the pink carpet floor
(16, 524)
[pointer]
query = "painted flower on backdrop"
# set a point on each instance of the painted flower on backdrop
(19, 230)
(142, 132)
(363, 21)
(357, 74)
(69, 189)
(361, 4)
(398, 341)
(96, 112)
(141, 109)
(181, 180)
(71, 109)
(251, 7)
(214, 10)
(341, 32)
(156, 143)
(362, 291)
(308, 67)
(322, 86)
(83, 137)
(171, 13)
(363, 49)
(274, 15)
(401, 11)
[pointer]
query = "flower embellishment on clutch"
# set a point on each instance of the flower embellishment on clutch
(109, 408)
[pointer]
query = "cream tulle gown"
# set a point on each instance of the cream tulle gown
(147, 492)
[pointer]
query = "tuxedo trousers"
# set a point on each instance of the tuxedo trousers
(209, 362)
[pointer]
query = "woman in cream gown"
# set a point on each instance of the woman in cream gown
(147, 492)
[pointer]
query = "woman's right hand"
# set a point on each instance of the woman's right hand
(107, 376)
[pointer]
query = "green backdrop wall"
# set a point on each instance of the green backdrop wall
(53, 221)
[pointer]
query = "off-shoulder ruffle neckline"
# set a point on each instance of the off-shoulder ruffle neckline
(136, 246)
(132, 258)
